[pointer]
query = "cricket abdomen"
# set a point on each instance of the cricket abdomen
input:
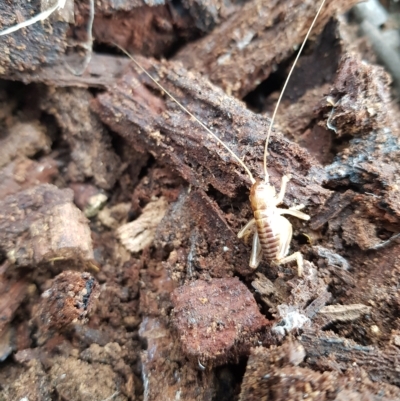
(263, 203)
(269, 238)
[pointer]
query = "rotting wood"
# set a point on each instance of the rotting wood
(274, 374)
(41, 225)
(12, 293)
(139, 234)
(92, 153)
(101, 72)
(69, 300)
(23, 139)
(203, 243)
(28, 49)
(150, 123)
(24, 173)
(381, 365)
(157, 370)
(217, 320)
(243, 51)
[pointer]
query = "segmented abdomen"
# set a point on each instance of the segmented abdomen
(269, 238)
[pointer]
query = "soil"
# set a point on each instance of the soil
(121, 273)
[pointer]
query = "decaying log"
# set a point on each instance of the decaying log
(203, 244)
(42, 225)
(274, 374)
(217, 321)
(68, 301)
(91, 151)
(151, 123)
(32, 47)
(244, 50)
(163, 360)
(101, 72)
(326, 351)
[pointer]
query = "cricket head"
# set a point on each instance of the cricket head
(262, 195)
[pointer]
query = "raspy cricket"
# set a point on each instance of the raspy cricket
(273, 232)
(110, 168)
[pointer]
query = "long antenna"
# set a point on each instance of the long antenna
(283, 90)
(190, 114)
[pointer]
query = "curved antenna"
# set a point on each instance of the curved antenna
(284, 88)
(252, 179)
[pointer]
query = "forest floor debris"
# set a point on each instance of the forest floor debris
(109, 191)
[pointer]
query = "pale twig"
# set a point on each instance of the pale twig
(40, 17)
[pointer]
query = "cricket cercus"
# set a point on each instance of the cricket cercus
(272, 231)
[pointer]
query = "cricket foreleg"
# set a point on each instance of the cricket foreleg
(281, 195)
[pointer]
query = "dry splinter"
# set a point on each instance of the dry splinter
(272, 232)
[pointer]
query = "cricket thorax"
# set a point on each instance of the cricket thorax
(262, 196)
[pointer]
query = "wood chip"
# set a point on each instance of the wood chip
(139, 234)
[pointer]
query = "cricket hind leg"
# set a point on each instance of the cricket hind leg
(286, 233)
(295, 213)
(247, 229)
(256, 252)
(298, 257)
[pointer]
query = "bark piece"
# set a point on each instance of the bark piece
(154, 28)
(159, 126)
(24, 173)
(200, 241)
(370, 161)
(359, 99)
(243, 51)
(68, 301)
(217, 321)
(344, 313)
(139, 27)
(23, 139)
(91, 149)
(271, 293)
(381, 365)
(173, 376)
(139, 234)
(273, 374)
(101, 72)
(29, 48)
(42, 225)
(12, 293)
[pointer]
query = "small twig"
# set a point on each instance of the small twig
(40, 17)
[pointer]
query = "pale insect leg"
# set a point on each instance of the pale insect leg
(281, 195)
(285, 233)
(256, 252)
(298, 257)
(297, 207)
(295, 213)
(248, 227)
